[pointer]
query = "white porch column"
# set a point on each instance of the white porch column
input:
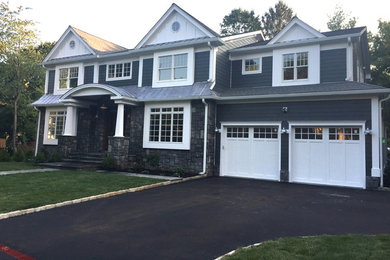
(71, 121)
(120, 116)
(375, 138)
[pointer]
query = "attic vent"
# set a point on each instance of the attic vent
(175, 26)
(72, 44)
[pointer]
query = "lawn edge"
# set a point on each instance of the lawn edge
(235, 250)
(95, 197)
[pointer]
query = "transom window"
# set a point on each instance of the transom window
(172, 67)
(344, 133)
(295, 66)
(56, 124)
(251, 66)
(119, 71)
(69, 77)
(237, 132)
(308, 133)
(166, 124)
(265, 132)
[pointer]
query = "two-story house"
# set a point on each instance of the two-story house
(295, 108)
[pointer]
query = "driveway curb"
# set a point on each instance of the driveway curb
(94, 197)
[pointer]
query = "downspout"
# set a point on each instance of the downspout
(381, 137)
(38, 126)
(206, 112)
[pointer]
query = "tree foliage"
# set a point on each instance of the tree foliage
(21, 76)
(273, 21)
(380, 55)
(240, 21)
(340, 20)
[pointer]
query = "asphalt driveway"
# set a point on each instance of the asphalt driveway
(199, 219)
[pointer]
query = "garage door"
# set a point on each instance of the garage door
(328, 155)
(251, 152)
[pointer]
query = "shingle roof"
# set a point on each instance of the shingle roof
(98, 44)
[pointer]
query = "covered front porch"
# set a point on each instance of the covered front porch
(95, 124)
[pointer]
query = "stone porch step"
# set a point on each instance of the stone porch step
(71, 165)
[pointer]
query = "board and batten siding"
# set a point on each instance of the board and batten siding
(328, 110)
(263, 79)
(333, 65)
(147, 72)
(50, 83)
(88, 74)
(202, 65)
(118, 83)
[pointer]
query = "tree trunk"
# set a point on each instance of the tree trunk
(14, 132)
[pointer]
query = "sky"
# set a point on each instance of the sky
(125, 22)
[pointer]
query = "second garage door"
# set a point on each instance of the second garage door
(328, 155)
(251, 152)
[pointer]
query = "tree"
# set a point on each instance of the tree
(240, 21)
(20, 75)
(380, 55)
(340, 20)
(273, 21)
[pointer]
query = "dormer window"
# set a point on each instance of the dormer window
(295, 66)
(251, 66)
(119, 71)
(173, 67)
(68, 77)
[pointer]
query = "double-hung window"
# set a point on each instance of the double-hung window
(54, 125)
(68, 77)
(251, 66)
(119, 71)
(295, 66)
(167, 126)
(172, 67)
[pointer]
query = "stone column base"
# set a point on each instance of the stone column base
(118, 148)
(67, 144)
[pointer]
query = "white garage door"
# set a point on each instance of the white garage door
(328, 155)
(251, 152)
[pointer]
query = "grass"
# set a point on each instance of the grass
(28, 190)
(320, 247)
(13, 166)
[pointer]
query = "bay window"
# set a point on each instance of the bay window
(54, 125)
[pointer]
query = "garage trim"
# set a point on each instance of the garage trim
(293, 124)
(226, 124)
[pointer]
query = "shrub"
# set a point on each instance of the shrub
(108, 163)
(55, 157)
(19, 156)
(29, 154)
(178, 172)
(145, 172)
(138, 167)
(153, 160)
(40, 158)
(4, 156)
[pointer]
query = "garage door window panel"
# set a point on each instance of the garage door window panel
(265, 132)
(237, 132)
(305, 133)
(344, 133)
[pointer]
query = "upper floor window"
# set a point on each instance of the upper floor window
(119, 71)
(295, 66)
(172, 67)
(68, 77)
(250, 66)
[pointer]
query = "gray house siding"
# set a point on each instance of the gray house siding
(202, 66)
(88, 74)
(147, 72)
(50, 83)
(118, 83)
(359, 110)
(333, 65)
(262, 79)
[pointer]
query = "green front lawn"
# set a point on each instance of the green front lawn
(320, 247)
(13, 166)
(28, 190)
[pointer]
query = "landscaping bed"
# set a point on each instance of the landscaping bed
(319, 247)
(28, 190)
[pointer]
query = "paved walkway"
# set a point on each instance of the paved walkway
(27, 171)
(200, 219)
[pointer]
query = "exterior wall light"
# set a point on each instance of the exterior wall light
(368, 131)
(284, 131)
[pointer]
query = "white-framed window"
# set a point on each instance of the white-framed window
(295, 66)
(251, 65)
(54, 125)
(313, 133)
(167, 126)
(237, 132)
(173, 68)
(119, 71)
(68, 77)
(265, 132)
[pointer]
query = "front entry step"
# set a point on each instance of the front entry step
(78, 161)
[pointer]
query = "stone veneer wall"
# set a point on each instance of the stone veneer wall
(190, 160)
